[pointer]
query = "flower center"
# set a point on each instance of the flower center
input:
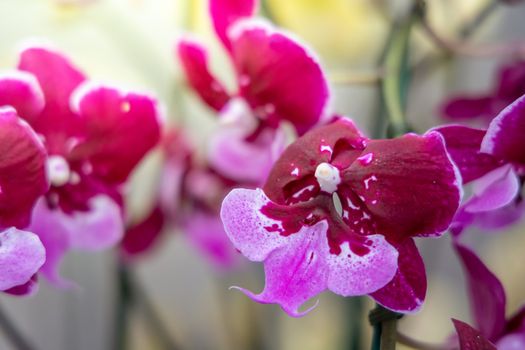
(58, 170)
(328, 177)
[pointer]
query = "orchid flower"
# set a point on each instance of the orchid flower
(493, 161)
(22, 182)
(278, 80)
(388, 192)
(189, 198)
(488, 303)
(94, 135)
(510, 85)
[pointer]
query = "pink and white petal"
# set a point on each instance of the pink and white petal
(351, 274)
(470, 338)
(486, 294)
(501, 218)
(466, 107)
(56, 74)
(504, 137)
(338, 143)
(120, 128)
(226, 12)
(194, 60)
(21, 255)
(407, 290)
(247, 227)
(142, 236)
(99, 228)
(206, 232)
(22, 169)
(21, 91)
(297, 271)
(463, 144)
(280, 78)
(48, 225)
(515, 341)
(410, 185)
(27, 289)
(494, 190)
(241, 160)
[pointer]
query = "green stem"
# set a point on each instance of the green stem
(394, 85)
(123, 302)
(385, 328)
(13, 334)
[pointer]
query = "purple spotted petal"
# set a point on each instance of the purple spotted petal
(226, 12)
(486, 294)
(406, 292)
(194, 60)
(21, 255)
(280, 78)
(240, 159)
(21, 91)
(410, 185)
(504, 137)
(470, 338)
(465, 107)
(245, 224)
(206, 232)
(463, 144)
(494, 190)
(300, 266)
(22, 169)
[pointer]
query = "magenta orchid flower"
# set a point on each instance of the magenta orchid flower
(510, 85)
(189, 198)
(389, 191)
(488, 303)
(493, 161)
(94, 136)
(278, 80)
(22, 182)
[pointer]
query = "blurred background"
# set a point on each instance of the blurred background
(131, 43)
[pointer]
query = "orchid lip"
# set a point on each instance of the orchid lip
(328, 177)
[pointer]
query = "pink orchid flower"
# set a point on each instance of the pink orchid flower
(94, 135)
(189, 199)
(278, 80)
(22, 182)
(389, 191)
(493, 161)
(509, 86)
(488, 303)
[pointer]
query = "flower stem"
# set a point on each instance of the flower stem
(123, 305)
(13, 334)
(395, 82)
(384, 322)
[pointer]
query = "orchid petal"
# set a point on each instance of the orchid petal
(410, 185)
(280, 78)
(470, 338)
(504, 137)
(22, 169)
(465, 107)
(21, 91)
(121, 127)
(494, 190)
(463, 144)
(194, 59)
(140, 237)
(486, 292)
(21, 255)
(407, 290)
(226, 12)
